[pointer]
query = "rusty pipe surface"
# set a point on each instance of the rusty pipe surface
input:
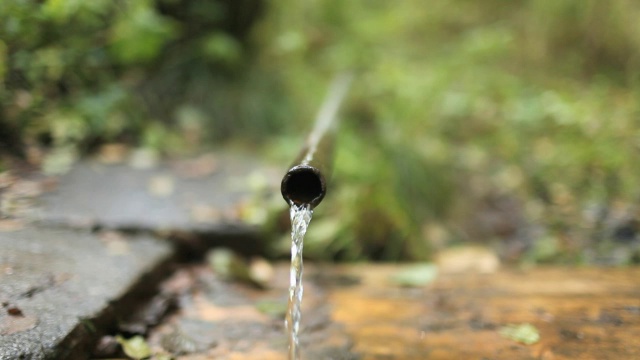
(306, 180)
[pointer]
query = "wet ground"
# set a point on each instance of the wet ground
(60, 289)
(221, 319)
(80, 253)
(207, 194)
(363, 312)
(96, 258)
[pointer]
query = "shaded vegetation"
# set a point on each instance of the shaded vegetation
(77, 73)
(513, 123)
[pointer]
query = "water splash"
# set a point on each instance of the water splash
(300, 218)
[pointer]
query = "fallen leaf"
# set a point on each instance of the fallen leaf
(227, 264)
(416, 275)
(14, 311)
(257, 181)
(115, 242)
(232, 213)
(205, 214)
(59, 160)
(148, 315)
(230, 266)
(27, 188)
(179, 283)
(6, 269)
(205, 310)
(113, 153)
(11, 324)
(107, 347)
(135, 347)
(49, 184)
(523, 333)
(468, 259)
(162, 357)
(6, 179)
(144, 159)
(251, 212)
(34, 155)
(261, 272)
(161, 186)
(275, 309)
(261, 351)
(199, 167)
(8, 225)
(178, 343)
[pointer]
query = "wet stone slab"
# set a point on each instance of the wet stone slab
(208, 194)
(228, 320)
(60, 288)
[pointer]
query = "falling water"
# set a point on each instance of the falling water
(300, 218)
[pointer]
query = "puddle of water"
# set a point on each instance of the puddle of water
(300, 218)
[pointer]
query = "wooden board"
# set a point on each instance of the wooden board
(357, 312)
(580, 314)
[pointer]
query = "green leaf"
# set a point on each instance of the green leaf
(227, 264)
(162, 357)
(140, 33)
(545, 249)
(63, 10)
(59, 160)
(274, 309)
(523, 333)
(135, 347)
(416, 275)
(222, 47)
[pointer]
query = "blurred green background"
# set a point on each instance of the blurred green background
(510, 124)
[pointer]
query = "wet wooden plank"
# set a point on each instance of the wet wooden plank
(358, 312)
(580, 314)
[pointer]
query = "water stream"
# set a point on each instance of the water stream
(300, 218)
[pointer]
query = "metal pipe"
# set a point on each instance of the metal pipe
(306, 181)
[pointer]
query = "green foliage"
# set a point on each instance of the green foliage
(457, 102)
(416, 275)
(135, 347)
(74, 74)
(139, 32)
(523, 333)
(222, 47)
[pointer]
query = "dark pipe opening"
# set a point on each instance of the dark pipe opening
(303, 185)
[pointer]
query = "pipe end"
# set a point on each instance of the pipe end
(303, 184)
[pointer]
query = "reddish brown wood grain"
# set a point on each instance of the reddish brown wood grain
(580, 314)
(357, 312)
